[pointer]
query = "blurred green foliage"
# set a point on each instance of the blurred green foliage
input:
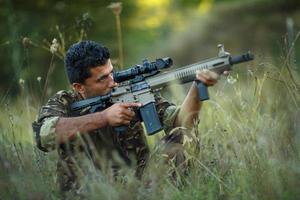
(147, 27)
(247, 144)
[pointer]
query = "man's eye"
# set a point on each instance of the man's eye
(103, 78)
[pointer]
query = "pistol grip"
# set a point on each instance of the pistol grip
(202, 91)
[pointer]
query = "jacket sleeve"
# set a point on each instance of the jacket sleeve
(44, 127)
(167, 113)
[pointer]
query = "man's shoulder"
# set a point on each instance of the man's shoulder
(65, 97)
(59, 104)
(66, 94)
(56, 106)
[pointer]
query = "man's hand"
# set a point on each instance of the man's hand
(116, 115)
(191, 105)
(120, 113)
(208, 77)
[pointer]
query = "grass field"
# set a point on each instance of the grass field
(246, 146)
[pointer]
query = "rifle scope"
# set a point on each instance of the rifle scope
(146, 68)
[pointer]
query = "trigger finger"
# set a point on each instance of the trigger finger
(126, 117)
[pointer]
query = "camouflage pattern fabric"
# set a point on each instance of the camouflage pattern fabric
(102, 149)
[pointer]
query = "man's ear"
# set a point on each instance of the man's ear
(78, 87)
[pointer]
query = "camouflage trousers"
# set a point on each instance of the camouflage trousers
(168, 157)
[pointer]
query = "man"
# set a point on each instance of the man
(89, 140)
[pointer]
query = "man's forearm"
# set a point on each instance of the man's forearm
(190, 109)
(67, 127)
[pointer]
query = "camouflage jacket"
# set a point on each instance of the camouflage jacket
(102, 148)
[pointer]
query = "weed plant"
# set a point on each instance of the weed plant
(246, 146)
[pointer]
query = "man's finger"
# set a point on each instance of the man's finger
(226, 73)
(207, 74)
(206, 79)
(207, 82)
(126, 122)
(211, 82)
(128, 113)
(131, 104)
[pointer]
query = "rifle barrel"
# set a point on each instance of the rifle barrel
(242, 58)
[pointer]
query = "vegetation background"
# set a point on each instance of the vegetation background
(247, 143)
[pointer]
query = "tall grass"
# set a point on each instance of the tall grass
(246, 147)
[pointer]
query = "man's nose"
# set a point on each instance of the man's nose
(112, 83)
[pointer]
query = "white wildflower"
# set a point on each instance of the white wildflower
(39, 79)
(54, 46)
(21, 82)
(231, 79)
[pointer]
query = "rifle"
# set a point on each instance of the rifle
(141, 82)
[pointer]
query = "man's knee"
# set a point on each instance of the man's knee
(172, 146)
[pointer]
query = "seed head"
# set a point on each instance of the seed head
(26, 42)
(116, 7)
(39, 79)
(231, 79)
(21, 82)
(54, 46)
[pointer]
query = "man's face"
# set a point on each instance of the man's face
(100, 82)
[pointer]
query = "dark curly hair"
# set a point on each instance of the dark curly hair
(81, 57)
